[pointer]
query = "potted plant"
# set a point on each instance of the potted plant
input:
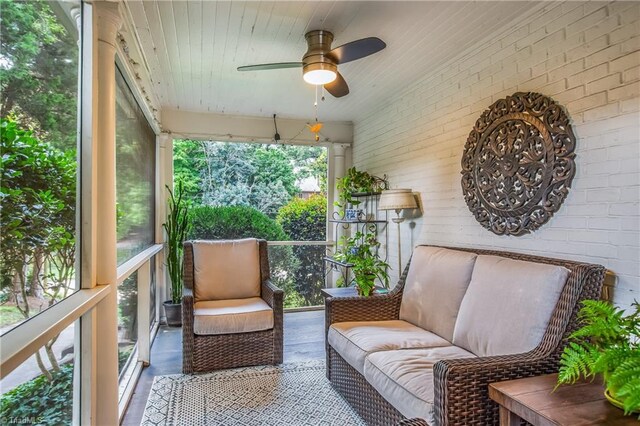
(176, 228)
(607, 344)
(361, 252)
(357, 182)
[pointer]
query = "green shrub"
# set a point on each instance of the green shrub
(44, 402)
(232, 222)
(306, 220)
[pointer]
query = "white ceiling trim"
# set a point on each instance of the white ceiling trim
(229, 128)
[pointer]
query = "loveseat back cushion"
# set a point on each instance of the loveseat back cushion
(226, 269)
(436, 283)
(508, 305)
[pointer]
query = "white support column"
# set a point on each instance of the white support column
(337, 168)
(165, 178)
(107, 22)
(144, 306)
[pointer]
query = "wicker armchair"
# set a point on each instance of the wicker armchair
(206, 346)
(460, 385)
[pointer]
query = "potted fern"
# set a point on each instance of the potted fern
(607, 344)
(176, 228)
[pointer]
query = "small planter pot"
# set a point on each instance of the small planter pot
(173, 312)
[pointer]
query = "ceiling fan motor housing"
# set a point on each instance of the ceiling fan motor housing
(316, 58)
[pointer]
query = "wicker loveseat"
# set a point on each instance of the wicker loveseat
(232, 315)
(458, 320)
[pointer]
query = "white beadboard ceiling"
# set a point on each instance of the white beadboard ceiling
(192, 49)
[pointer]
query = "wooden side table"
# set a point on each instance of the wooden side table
(532, 399)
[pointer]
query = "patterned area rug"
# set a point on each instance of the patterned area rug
(289, 394)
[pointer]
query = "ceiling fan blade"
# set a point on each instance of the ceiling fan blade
(276, 66)
(338, 87)
(357, 49)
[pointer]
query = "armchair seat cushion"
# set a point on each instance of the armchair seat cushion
(355, 340)
(405, 377)
(231, 316)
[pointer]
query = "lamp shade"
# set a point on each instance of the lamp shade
(397, 199)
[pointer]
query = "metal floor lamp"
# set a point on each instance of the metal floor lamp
(397, 199)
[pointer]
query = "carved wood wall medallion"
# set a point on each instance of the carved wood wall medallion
(518, 163)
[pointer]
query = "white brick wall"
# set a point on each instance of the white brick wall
(584, 55)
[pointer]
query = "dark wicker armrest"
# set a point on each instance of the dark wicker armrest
(461, 385)
(372, 308)
(272, 295)
(187, 330)
(274, 298)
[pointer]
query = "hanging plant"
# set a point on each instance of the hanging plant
(357, 182)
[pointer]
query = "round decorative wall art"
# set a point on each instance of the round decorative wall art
(518, 163)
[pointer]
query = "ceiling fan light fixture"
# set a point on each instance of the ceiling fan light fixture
(319, 73)
(319, 77)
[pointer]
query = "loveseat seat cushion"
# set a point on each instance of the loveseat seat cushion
(405, 377)
(231, 316)
(226, 269)
(508, 305)
(355, 340)
(435, 285)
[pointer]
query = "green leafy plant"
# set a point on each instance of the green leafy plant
(355, 181)
(609, 344)
(176, 227)
(45, 401)
(361, 251)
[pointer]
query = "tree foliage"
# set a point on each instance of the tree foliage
(259, 176)
(37, 222)
(39, 78)
(38, 189)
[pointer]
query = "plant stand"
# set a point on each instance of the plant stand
(369, 220)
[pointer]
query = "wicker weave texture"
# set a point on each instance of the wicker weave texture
(206, 353)
(461, 385)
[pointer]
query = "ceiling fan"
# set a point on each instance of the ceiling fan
(320, 62)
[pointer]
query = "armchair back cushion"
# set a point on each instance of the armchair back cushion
(226, 269)
(508, 305)
(436, 283)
